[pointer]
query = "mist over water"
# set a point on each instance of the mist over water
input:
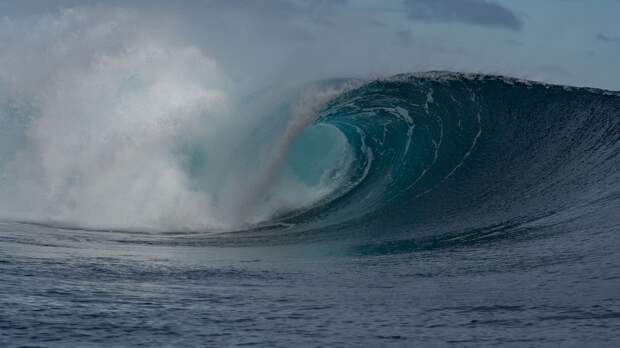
(123, 127)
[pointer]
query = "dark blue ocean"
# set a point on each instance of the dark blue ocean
(468, 210)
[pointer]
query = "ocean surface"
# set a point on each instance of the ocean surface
(427, 209)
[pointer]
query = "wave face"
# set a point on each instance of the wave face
(442, 153)
(435, 153)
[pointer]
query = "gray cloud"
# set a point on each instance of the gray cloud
(404, 37)
(478, 12)
(608, 38)
(553, 70)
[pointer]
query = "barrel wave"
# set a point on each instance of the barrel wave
(439, 157)
(405, 162)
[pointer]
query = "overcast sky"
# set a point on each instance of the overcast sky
(573, 42)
